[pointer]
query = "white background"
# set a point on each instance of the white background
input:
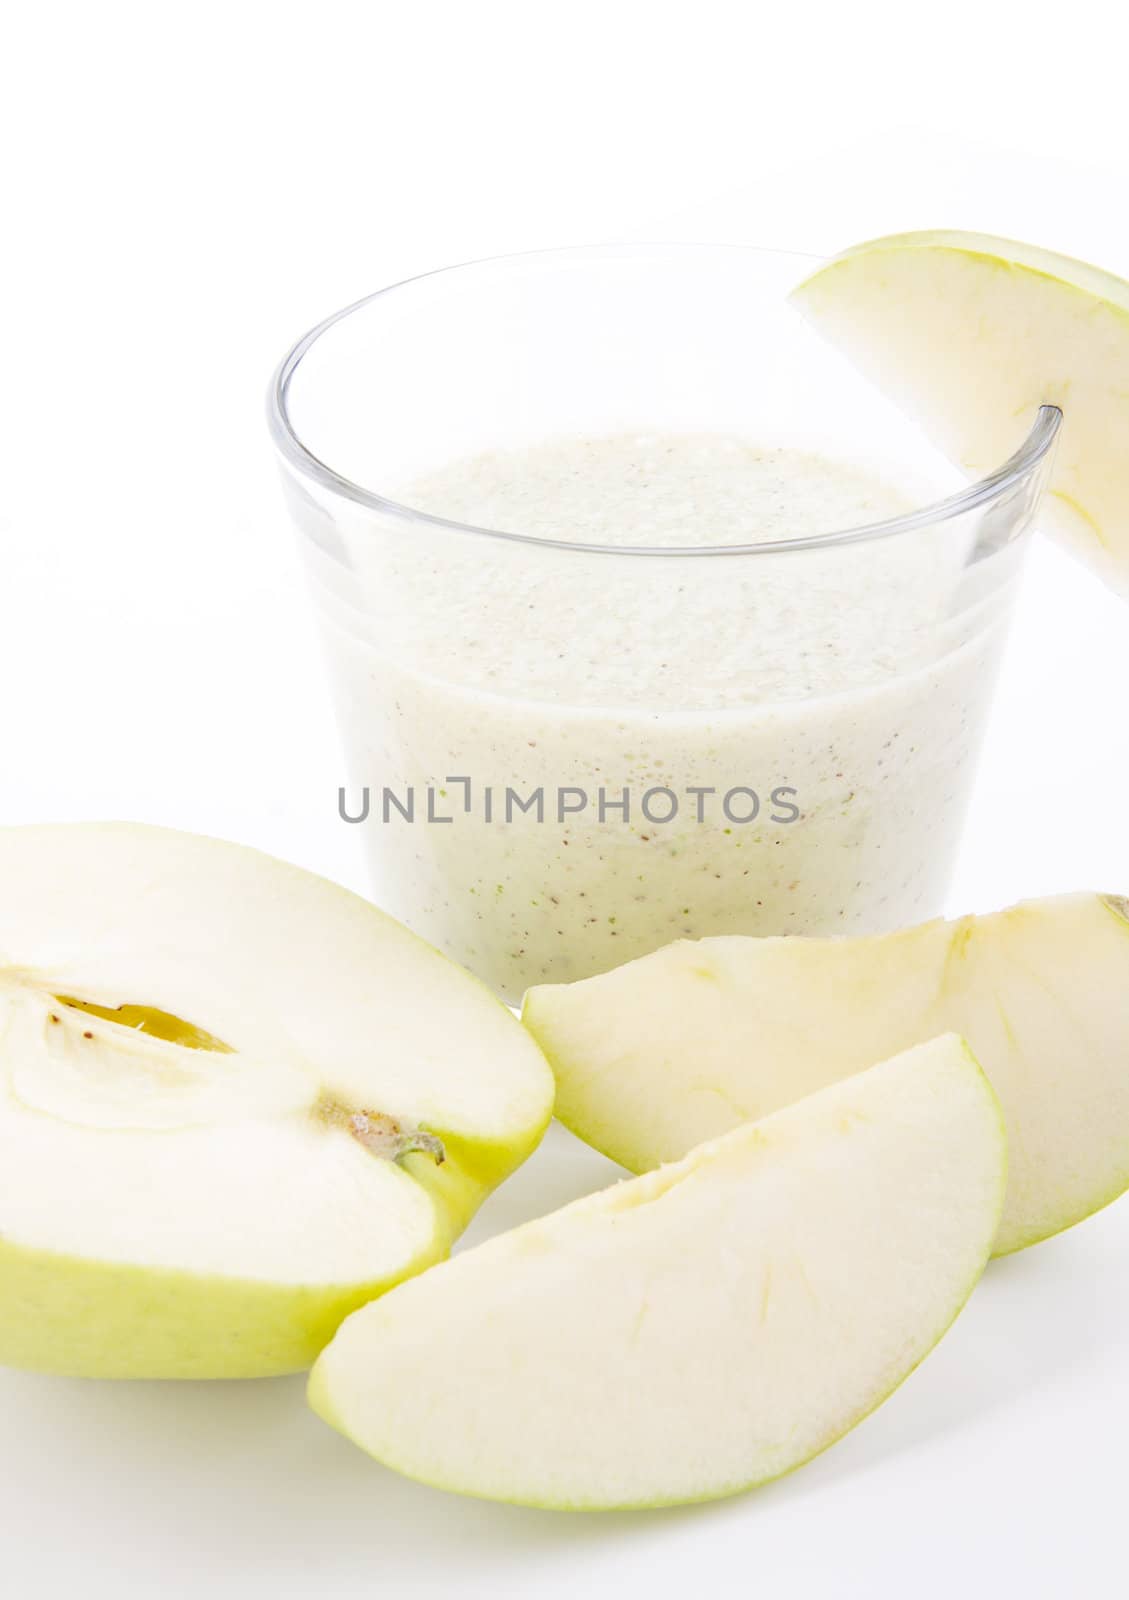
(183, 189)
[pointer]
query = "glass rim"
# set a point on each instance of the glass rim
(984, 491)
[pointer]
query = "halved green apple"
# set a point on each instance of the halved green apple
(686, 1043)
(970, 334)
(236, 1102)
(700, 1330)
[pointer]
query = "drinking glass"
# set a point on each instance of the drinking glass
(563, 753)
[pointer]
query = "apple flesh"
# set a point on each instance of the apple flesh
(970, 334)
(702, 1329)
(236, 1102)
(688, 1042)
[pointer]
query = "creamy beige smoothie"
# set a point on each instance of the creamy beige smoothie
(570, 759)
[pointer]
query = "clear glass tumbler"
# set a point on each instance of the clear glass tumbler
(566, 754)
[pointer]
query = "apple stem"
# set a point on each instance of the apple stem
(386, 1137)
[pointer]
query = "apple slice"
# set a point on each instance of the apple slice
(689, 1042)
(970, 334)
(236, 1102)
(700, 1330)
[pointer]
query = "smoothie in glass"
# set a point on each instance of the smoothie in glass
(678, 751)
(645, 617)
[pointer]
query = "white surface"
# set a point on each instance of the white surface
(183, 192)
